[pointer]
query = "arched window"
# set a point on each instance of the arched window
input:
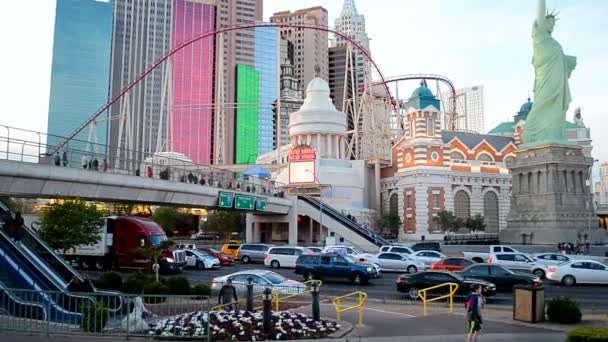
(430, 127)
(529, 189)
(462, 204)
(581, 179)
(484, 157)
(412, 128)
(521, 183)
(490, 211)
(394, 204)
(455, 155)
(538, 177)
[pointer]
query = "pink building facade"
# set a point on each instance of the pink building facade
(191, 117)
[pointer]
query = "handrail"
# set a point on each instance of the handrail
(361, 296)
(453, 288)
(333, 213)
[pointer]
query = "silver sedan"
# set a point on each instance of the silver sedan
(261, 280)
(395, 262)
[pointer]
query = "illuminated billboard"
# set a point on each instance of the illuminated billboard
(247, 114)
(302, 172)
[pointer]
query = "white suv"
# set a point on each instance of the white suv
(396, 249)
(348, 250)
(285, 256)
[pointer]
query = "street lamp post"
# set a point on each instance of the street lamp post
(589, 198)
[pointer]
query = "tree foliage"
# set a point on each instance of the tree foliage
(68, 224)
(387, 221)
(155, 252)
(170, 219)
(476, 223)
(222, 221)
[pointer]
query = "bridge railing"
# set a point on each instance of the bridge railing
(31, 147)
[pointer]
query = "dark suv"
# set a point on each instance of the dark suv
(335, 267)
(426, 246)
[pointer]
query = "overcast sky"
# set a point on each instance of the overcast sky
(470, 41)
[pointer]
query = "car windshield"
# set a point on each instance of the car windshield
(275, 278)
(357, 250)
(155, 240)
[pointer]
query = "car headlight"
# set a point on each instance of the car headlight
(170, 260)
(369, 269)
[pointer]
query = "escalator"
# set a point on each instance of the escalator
(334, 220)
(37, 285)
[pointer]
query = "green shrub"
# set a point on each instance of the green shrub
(154, 292)
(201, 291)
(588, 334)
(110, 281)
(135, 283)
(563, 310)
(94, 317)
(177, 285)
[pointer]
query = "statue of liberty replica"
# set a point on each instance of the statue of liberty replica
(552, 69)
(551, 198)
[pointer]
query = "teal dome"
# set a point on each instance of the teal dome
(526, 107)
(422, 91)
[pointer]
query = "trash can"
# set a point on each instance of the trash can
(528, 303)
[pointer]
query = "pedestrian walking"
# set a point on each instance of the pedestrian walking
(95, 164)
(227, 295)
(84, 161)
(18, 227)
(64, 159)
(473, 304)
(57, 159)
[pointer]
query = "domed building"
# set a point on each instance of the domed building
(435, 170)
(575, 132)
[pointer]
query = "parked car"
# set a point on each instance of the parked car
(252, 252)
(426, 246)
(261, 280)
(349, 250)
(284, 256)
(397, 249)
(396, 262)
(186, 246)
(205, 236)
(201, 260)
(225, 259)
(315, 249)
(503, 278)
(579, 272)
(332, 266)
(483, 256)
(518, 262)
(412, 283)
(453, 264)
(231, 249)
(427, 258)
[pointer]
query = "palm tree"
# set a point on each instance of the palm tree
(154, 253)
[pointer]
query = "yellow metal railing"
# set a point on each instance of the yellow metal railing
(453, 288)
(362, 299)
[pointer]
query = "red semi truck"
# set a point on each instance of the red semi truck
(121, 239)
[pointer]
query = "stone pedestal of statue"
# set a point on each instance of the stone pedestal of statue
(550, 198)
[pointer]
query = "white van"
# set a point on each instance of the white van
(285, 256)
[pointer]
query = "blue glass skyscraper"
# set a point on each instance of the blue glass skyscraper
(266, 59)
(81, 68)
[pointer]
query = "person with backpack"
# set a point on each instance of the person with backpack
(473, 304)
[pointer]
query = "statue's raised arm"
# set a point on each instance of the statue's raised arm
(541, 12)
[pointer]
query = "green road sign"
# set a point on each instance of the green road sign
(225, 199)
(244, 202)
(260, 203)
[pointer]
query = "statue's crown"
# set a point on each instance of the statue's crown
(552, 14)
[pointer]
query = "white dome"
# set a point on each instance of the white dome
(318, 113)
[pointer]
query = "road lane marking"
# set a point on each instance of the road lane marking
(390, 312)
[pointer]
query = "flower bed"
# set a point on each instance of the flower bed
(243, 326)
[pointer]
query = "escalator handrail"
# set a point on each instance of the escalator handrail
(352, 225)
(20, 301)
(36, 281)
(52, 252)
(339, 217)
(44, 268)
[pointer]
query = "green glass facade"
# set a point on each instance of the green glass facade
(247, 114)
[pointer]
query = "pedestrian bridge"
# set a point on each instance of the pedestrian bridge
(24, 179)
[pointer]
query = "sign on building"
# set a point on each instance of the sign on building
(302, 165)
(244, 202)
